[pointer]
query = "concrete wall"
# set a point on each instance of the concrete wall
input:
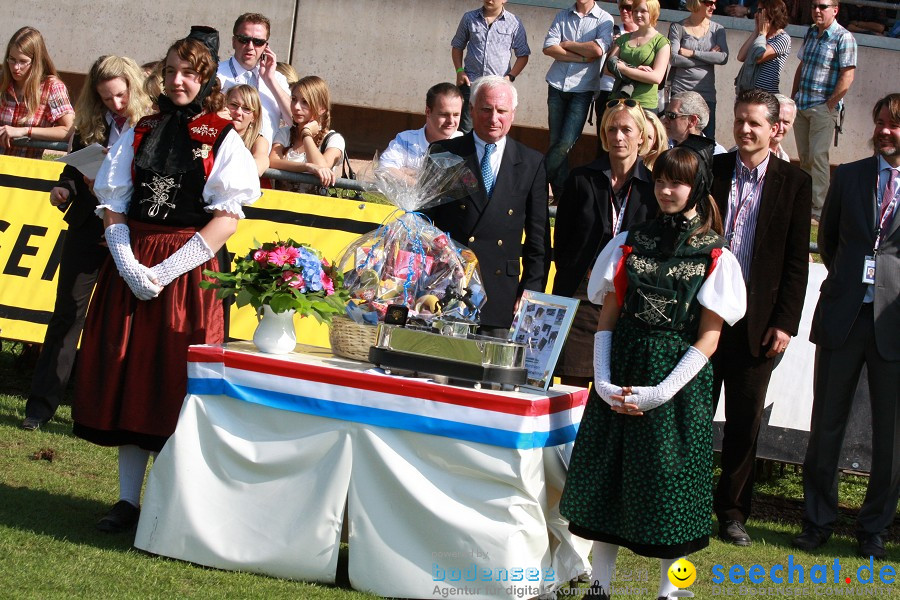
(379, 56)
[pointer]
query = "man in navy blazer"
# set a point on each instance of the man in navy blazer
(511, 199)
(857, 321)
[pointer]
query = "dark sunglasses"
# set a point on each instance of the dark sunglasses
(246, 39)
(629, 102)
(821, 6)
(672, 115)
(708, 2)
(626, 8)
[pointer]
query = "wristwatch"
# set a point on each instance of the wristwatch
(511, 77)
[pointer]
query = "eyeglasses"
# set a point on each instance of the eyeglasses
(708, 2)
(821, 6)
(235, 106)
(12, 62)
(672, 115)
(626, 8)
(246, 39)
(629, 102)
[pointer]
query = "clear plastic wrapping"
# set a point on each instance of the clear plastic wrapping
(408, 260)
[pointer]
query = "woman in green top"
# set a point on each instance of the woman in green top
(641, 56)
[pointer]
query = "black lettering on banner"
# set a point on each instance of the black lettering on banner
(4, 225)
(55, 256)
(308, 220)
(21, 248)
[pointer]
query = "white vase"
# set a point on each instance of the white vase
(275, 333)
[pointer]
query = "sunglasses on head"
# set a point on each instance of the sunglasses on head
(821, 6)
(246, 39)
(629, 102)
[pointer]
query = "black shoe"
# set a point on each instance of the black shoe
(811, 538)
(870, 544)
(597, 591)
(733, 532)
(32, 423)
(123, 516)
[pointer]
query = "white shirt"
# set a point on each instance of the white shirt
(231, 73)
(233, 181)
(497, 155)
(407, 149)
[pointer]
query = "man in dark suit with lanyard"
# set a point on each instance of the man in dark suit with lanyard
(765, 204)
(857, 320)
(511, 198)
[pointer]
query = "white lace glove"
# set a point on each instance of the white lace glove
(648, 398)
(138, 277)
(190, 256)
(602, 351)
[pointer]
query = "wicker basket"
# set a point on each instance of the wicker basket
(350, 339)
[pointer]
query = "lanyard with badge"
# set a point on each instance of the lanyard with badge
(619, 216)
(880, 232)
(740, 205)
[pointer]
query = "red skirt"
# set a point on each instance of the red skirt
(132, 373)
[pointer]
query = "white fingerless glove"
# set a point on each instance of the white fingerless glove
(602, 351)
(648, 398)
(138, 277)
(190, 256)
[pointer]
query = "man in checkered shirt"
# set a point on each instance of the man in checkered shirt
(823, 77)
(488, 35)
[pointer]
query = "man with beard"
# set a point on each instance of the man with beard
(856, 322)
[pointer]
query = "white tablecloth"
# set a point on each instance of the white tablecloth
(446, 488)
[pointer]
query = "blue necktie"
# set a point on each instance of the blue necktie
(487, 174)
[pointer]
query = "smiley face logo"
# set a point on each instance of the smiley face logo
(682, 573)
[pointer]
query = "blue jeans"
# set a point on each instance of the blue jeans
(566, 114)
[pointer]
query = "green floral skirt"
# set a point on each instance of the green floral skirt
(645, 482)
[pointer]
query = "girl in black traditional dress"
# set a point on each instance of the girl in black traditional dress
(641, 468)
(170, 194)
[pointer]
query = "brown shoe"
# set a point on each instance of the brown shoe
(123, 516)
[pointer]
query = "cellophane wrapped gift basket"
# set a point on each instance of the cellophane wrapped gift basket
(407, 260)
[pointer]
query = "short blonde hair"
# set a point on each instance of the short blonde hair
(249, 97)
(693, 5)
(652, 8)
(637, 115)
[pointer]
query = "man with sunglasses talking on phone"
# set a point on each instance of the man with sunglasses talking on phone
(253, 63)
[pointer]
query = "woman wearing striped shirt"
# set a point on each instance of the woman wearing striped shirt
(771, 19)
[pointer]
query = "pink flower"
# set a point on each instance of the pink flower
(327, 284)
(294, 280)
(261, 256)
(283, 255)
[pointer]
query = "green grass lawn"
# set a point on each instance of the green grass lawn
(50, 549)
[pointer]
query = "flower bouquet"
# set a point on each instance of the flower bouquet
(283, 275)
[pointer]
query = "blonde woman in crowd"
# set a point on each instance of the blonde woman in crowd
(34, 102)
(657, 139)
(289, 72)
(111, 101)
(245, 111)
(641, 57)
(309, 145)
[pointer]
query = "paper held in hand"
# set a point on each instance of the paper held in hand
(87, 160)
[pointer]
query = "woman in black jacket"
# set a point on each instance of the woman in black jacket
(599, 200)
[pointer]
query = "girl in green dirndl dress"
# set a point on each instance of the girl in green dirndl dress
(641, 469)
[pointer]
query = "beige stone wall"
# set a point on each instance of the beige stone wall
(384, 54)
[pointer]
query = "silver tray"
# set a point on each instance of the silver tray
(473, 358)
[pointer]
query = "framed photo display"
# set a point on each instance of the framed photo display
(542, 323)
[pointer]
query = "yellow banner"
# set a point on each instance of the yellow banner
(31, 235)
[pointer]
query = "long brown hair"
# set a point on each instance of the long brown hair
(315, 91)
(90, 112)
(29, 42)
(680, 165)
